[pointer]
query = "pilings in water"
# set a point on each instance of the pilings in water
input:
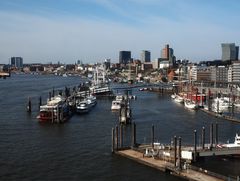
(117, 138)
(133, 135)
(203, 137)
(179, 152)
(195, 146)
(40, 102)
(29, 105)
(175, 151)
(152, 135)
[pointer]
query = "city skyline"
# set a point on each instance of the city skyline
(92, 30)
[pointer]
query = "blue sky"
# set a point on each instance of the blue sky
(92, 30)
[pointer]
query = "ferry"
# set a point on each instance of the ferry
(56, 110)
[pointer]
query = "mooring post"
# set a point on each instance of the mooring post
(29, 106)
(113, 140)
(121, 136)
(152, 135)
(40, 101)
(195, 146)
(116, 137)
(216, 134)
(58, 115)
(50, 96)
(203, 137)
(133, 135)
(53, 92)
(179, 152)
(211, 136)
(175, 151)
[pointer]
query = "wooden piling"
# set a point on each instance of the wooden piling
(49, 96)
(121, 136)
(116, 137)
(175, 151)
(133, 135)
(195, 146)
(29, 106)
(216, 133)
(211, 136)
(203, 137)
(179, 152)
(40, 101)
(53, 92)
(152, 135)
(113, 140)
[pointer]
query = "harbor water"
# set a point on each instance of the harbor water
(80, 149)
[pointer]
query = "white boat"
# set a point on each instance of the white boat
(189, 104)
(173, 96)
(119, 98)
(82, 107)
(179, 99)
(91, 100)
(116, 105)
(232, 145)
(51, 111)
(220, 105)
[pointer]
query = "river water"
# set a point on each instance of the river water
(80, 149)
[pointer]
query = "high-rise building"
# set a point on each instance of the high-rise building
(124, 57)
(145, 56)
(168, 54)
(229, 51)
(165, 52)
(17, 62)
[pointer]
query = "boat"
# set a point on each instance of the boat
(100, 83)
(56, 110)
(231, 145)
(82, 107)
(220, 105)
(178, 99)
(91, 100)
(189, 104)
(173, 96)
(116, 105)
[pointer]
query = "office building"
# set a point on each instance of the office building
(235, 71)
(124, 57)
(145, 56)
(168, 54)
(229, 52)
(17, 62)
(219, 74)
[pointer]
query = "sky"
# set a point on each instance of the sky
(43, 31)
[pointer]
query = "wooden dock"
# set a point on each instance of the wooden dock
(165, 166)
(176, 158)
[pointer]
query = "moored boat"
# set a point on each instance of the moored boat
(179, 99)
(190, 105)
(82, 107)
(56, 110)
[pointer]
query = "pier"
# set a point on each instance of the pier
(176, 159)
